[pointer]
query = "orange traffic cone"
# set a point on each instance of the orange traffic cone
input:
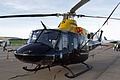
(7, 55)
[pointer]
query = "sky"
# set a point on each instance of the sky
(21, 27)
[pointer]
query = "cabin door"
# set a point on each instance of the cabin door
(73, 47)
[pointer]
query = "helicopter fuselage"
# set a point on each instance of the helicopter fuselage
(69, 44)
(54, 47)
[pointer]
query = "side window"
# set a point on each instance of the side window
(63, 42)
(59, 45)
(84, 41)
(80, 39)
(75, 42)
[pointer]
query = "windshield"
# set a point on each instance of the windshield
(33, 36)
(48, 37)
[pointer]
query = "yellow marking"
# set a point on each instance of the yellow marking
(71, 25)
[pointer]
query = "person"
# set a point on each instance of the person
(4, 45)
(114, 47)
(118, 49)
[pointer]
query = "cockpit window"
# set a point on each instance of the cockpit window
(48, 37)
(33, 36)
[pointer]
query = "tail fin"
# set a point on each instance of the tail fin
(105, 38)
(100, 38)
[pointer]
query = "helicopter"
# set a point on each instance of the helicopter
(67, 45)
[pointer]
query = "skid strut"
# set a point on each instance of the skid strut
(89, 67)
(38, 67)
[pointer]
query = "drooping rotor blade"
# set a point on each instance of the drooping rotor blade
(102, 25)
(96, 17)
(110, 15)
(30, 15)
(78, 5)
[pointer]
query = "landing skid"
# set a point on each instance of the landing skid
(37, 68)
(89, 67)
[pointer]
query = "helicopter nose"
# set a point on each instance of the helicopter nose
(32, 53)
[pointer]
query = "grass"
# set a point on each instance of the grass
(18, 42)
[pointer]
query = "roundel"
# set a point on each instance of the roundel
(79, 30)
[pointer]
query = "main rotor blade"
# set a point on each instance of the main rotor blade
(29, 15)
(96, 17)
(78, 5)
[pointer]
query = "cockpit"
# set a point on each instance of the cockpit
(48, 37)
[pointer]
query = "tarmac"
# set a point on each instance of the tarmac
(105, 62)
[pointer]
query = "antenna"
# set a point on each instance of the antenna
(43, 25)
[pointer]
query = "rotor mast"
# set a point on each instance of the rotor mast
(72, 14)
